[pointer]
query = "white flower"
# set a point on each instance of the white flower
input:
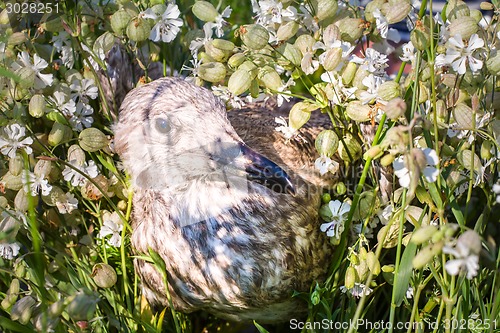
(220, 22)
(466, 254)
(308, 19)
(83, 89)
(9, 250)
(372, 83)
(112, 225)
(358, 290)
(168, 26)
(33, 184)
(75, 177)
(200, 42)
(61, 102)
(62, 43)
(284, 93)
(457, 55)
(68, 205)
(374, 61)
(325, 164)
(341, 93)
(496, 189)
(223, 93)
(455, 130)
(430, 173)
(408, 52)
(38, 65)
(308, 64)
(81, 118)
(269, 12)
(339, 211)
(381, 22)
(194, 70)
(13, 138)
(288, 131)
(385, 214)
(409, 292)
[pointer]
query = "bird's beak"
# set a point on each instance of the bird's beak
(261, 170)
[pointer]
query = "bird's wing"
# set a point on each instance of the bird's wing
(256, 125)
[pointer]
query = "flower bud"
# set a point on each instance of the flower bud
(467, 159)
(486, 5)
(358, 111)
(420, 37)
(59, 134)
(27, 77)
(304, 43)
(456, 9)
(287, 30)
(340, 188)
(349, 73)
(425, 255)
(389, 90)
(419, 159)
(270, 78)
(212, 72)
(254, 36)
(462, 113)
(396, 11)
(138, 30)
(358, 78)
(373, 263)
(486, 150)
(23, 309)
(54, 25)
(387, 160)
(423, 234)
(326, 9)
(236, 60)
(37, 106)
(11, 295)
(205, 11)
(371, 7)
(104, 275)
(43, 168)
(91, 192)
(326, 198)
(327, 143)
(216, 53)
(239, 82)
(396, 108)
(351, 29)
(119, 21)
(299, 115)
(465, 27)
(76, 153)
(350, 277)
(55, 195)
(493, 62)
(12, 182)
(92, 139)
(292, 54)
(350, 150)
(373, 153)
(16, 165)
(332, 58)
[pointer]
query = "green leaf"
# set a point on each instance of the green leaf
(8, 324)
(57, 117)
(404, 274)
(11, 75)
(260, 328)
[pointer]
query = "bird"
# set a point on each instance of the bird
(230, 207)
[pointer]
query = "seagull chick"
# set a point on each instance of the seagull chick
(237, 232)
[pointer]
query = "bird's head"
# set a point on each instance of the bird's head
(172, 134)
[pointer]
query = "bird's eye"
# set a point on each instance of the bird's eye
(162, 125)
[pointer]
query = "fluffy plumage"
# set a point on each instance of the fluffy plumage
(232, 246)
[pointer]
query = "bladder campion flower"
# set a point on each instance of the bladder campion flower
(14, 138)
(335, 227)
(458, 55)
(168, 26)
(38, 65)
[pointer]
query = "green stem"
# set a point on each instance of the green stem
(392, 312)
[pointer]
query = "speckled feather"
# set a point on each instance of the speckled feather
(239, 263)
